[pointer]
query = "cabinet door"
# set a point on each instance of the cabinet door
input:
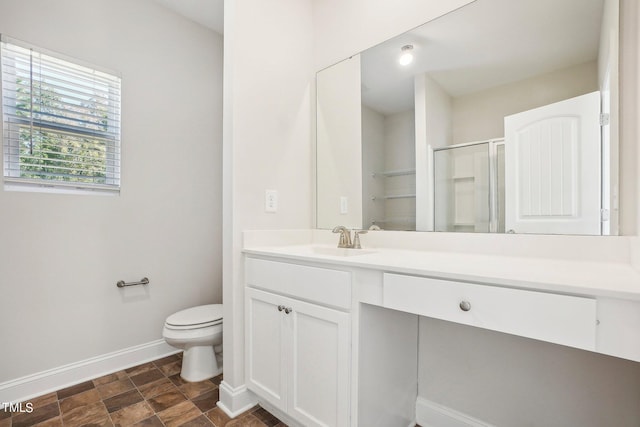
(266, 347)
(319, 380)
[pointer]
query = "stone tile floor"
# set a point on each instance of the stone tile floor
(151, 394)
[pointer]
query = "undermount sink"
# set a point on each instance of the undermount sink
(333, 251)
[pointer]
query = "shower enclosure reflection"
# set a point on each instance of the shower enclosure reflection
(469, 187)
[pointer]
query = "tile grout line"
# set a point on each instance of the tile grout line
(153, 365)
(151, 397)
(59, 410)
(155, 414)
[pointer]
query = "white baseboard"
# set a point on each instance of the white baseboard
(431, 414)
(234, 401)
(30, 386)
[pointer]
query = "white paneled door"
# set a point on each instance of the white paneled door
(553, 168)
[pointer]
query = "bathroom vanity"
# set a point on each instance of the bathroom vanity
(332, 333)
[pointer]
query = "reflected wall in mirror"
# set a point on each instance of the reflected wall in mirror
(504, 121)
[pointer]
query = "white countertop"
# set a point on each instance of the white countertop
(570, 276)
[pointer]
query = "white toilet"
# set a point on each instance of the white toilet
(197, 330)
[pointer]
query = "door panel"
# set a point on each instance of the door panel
(553, 168)
(320, 380)
(266, 347)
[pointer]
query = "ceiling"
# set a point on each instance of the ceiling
(482, 45)
(208, 13)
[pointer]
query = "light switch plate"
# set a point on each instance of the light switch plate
(271, 200)
(344, 205)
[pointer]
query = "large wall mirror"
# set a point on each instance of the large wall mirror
(501, 116)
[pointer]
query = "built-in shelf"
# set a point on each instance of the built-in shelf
(399, 172)
(394, 196)
(397, 220)
(464, 224)
(404, 189)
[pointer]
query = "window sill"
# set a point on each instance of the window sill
(26, 186)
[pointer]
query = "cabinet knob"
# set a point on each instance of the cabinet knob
(280, 307)
(465, 305)
(288, 310)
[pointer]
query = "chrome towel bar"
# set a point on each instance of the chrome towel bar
(122, 283)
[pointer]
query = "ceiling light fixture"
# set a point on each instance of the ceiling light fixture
(406, 57)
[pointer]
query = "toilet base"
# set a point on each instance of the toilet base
(199, 363)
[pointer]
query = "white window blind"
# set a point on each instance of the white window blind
(61, 121)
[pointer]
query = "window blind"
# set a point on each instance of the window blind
(61, 120)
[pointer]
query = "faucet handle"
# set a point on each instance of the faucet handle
(356, 238)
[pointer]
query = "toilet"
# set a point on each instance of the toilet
(198, 331)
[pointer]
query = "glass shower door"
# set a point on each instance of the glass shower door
(461, 192)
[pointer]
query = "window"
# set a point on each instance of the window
(61, 121)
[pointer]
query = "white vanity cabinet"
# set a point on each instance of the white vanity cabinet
(298, 341)
(365, 338)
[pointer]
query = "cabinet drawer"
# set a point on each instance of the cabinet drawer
(560, 319)
(320, 285)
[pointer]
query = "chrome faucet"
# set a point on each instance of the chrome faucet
(345, 237)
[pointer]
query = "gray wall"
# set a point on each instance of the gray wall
(511, 381)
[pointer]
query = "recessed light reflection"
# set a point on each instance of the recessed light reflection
(406, 57)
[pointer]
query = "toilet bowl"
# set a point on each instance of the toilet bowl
(196, 330)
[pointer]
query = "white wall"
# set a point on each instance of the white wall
(480, 116)
(339, 145)
(629, 66)
(372, 162)
(61, 255)
(433, 130)
(399, 136)
(400, 154)
(268, 95)
(518, 382)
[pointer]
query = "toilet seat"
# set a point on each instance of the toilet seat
(202, 316)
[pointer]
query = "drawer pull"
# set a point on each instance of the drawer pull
(288, 310)
(465, 305)
(280, 307)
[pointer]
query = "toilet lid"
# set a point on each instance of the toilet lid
(200, 315)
